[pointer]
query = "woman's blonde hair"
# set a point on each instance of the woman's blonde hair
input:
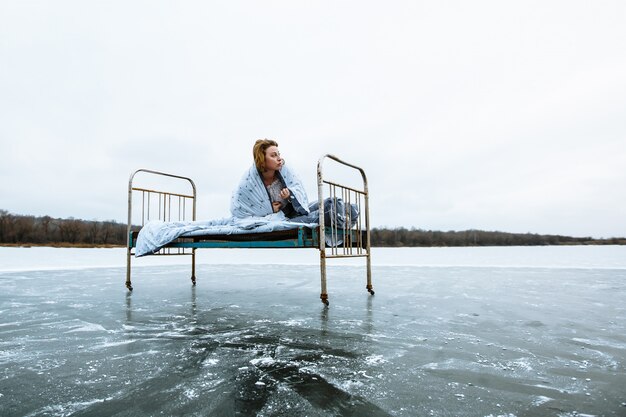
(258, 152)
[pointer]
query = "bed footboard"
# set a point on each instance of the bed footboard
(348, 236)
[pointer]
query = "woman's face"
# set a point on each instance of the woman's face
(273, 161)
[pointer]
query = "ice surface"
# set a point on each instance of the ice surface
(254, 339)
(596, 257)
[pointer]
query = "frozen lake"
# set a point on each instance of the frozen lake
(537, 331)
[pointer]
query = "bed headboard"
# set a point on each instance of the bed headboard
(173, 200)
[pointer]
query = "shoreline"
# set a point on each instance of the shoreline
(61, 245)
(112, 246)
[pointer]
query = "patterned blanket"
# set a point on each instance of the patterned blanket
(251, 198)
(251, 211)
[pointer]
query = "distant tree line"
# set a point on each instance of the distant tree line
(20, 229)
(418, 237)
(30, 230)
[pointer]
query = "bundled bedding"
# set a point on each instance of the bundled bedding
(251, 210)
(156, 234)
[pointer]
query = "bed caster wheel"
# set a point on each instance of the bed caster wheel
(193, 281)
(130, 287)
(370, 289)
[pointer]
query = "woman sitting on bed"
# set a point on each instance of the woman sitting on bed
(269, 187)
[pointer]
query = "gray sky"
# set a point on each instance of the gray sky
(494, 115)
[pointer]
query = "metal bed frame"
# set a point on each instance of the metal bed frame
(181, 206)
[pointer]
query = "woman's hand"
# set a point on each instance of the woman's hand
(285, 193)
(276, 206)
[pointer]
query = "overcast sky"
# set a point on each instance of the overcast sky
(494, 115)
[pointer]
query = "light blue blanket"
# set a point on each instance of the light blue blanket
(251, 211)
(156, 234)
(250, 198)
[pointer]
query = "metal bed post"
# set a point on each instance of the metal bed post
(128, 230)
(368, 259)
(322, 236)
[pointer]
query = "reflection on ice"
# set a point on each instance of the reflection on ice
(254, 340)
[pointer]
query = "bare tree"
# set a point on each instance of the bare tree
(70, 230)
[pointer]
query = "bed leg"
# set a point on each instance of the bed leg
(324, 298)
(193, 266)
(128, 284)
(324, 293)
(369, 285)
